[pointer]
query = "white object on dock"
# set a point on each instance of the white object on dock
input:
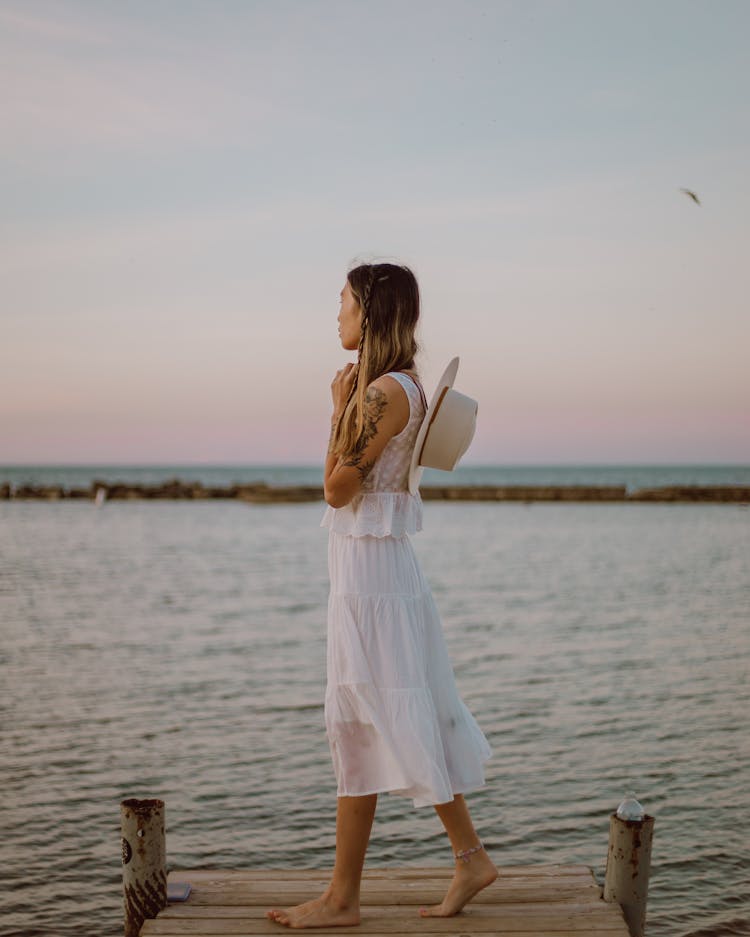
(178, 891)
(630, 809)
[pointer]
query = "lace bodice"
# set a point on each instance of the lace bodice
(385, 507)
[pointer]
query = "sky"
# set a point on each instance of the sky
(184, 186)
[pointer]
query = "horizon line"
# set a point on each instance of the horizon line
(319, 464)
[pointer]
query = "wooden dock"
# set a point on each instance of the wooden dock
(525, 901)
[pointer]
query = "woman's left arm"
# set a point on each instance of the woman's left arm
(385, 414)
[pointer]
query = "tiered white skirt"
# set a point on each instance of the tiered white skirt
(394, 719)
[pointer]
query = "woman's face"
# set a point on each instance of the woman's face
(350, 319)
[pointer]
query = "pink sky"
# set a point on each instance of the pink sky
(184, 190)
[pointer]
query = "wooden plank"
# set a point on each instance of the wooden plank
(419, 928)
(483, 908)
(500, 931)
(376, 923)
(476, 916)
(403, 872)
(311, 881)
(283, 894)
(285, 898)
(475, 909)
(188, 909)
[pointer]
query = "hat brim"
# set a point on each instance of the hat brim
(446, 381)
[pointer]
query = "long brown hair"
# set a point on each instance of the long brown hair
(389, 298)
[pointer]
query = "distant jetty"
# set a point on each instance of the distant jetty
(260, 493)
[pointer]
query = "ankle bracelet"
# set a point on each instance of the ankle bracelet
(466, 854)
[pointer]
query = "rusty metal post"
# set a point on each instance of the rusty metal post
(144, 861)
(628, 867)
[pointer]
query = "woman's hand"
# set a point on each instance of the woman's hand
(341, 387)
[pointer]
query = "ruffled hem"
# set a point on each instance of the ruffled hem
(377, 514)
(396, 741)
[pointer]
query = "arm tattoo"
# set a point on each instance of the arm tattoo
(375, 404)
(364, 468)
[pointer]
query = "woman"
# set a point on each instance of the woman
(394, 719)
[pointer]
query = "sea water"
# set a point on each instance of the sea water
(633, 477)
(177, 650)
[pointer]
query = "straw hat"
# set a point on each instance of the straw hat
(446, 431)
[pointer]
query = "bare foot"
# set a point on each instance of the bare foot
(470, 878)
(325, 911)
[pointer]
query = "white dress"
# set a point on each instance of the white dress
(394, 719)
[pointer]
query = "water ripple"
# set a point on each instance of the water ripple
(178, 651)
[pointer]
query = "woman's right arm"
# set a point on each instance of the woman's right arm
(386, 411)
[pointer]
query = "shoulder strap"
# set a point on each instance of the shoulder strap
(416, 384)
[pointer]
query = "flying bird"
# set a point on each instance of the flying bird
(692, 195)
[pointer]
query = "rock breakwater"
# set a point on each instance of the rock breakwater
(175, 489)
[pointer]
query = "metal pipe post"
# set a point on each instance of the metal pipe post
(628, 866)
(144, 861)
